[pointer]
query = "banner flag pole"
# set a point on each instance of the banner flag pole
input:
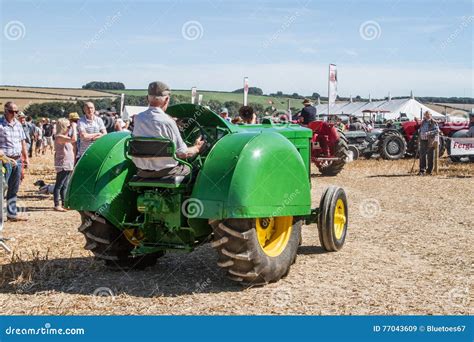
(193, 95)
(246, 89)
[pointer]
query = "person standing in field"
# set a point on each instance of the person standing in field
(26, 129)
(64, 158)
(13, 146)
(90, 128)
(38, 138)
(31, 127)
(429, 134)
(48, 136)
(74, 118)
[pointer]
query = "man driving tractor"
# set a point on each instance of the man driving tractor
(155, 123)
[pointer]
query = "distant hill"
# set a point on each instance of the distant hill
(25, 96)
(280, 103)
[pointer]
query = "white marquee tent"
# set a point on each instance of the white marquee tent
(129, 111)
(392, 108)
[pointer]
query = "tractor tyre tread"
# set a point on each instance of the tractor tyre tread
(108, 243)
(382, 150)
(342, 152)
(243, 258)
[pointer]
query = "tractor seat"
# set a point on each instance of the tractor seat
(163, 182)
(152, 148)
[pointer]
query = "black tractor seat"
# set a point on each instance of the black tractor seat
(162, 182)
(152, 148)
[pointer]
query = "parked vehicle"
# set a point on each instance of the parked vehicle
(249, 194)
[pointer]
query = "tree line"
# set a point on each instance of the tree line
(100, 85)
(54, 110)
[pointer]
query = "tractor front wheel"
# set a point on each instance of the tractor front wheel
(111, 245)
(257, 251)
(332, 219)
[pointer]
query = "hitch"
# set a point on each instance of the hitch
(313, 217)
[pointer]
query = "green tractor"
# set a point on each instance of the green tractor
(248, 194)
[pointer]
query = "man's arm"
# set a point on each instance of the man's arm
(193, 150)
(24, 153)
(84, 135)
(182, 151)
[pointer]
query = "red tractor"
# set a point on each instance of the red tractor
(453, 128)
(330, 150)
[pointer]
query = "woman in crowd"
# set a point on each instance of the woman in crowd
(66, 136)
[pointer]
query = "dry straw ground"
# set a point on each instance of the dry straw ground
(409, 251)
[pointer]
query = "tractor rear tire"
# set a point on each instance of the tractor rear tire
(242, 255)
(333, 219)
(341, 151)
(109, 244)
(392, 145)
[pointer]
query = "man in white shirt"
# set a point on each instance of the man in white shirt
(155, 123)
(90, 128)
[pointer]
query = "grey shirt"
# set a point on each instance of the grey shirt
(88, 126)
(155, 123)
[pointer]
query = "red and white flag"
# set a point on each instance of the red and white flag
(246, 90)
(332, 85)
(193, 95)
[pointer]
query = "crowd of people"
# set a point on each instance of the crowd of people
(21, 138)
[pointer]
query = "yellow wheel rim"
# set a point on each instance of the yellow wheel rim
(339, 219)
(134, 236)
(273, 234)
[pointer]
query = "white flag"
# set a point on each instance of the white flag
(332, 85)
(246, 89)
(193, 95)
(122, 104)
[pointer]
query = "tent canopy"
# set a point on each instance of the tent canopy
(129, 111)
(391, 109)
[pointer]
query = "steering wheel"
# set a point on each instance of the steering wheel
(191, 130)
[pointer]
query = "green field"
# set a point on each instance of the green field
(221, 96)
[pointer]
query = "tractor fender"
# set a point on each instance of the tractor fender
(99, 183)
(253, 174)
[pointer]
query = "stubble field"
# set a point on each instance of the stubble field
(408, 251)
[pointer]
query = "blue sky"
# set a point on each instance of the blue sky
(378, 46)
